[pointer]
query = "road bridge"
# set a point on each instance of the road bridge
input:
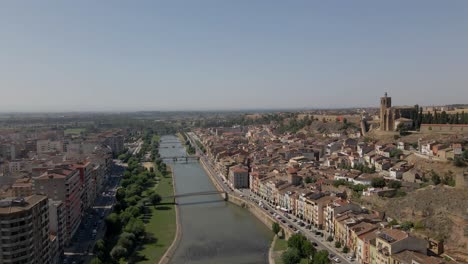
(224, 194)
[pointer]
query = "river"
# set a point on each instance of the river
(213, 231)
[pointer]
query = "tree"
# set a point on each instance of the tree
(291, 256)
(155, 198)
(345, 249)
(308, 179)
(378, 182)
(95, 260)
(407, 225)
(135, 226)
(113, 223)
(321, 257)
(337, 244)
(275, 227)
(118, 252)
(435, 178)
(126, 240)
(296, 241)
(99, 248)
(307, 249)
(459, 162)
(394, 184)
(329, 238)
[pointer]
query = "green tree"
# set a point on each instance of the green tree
(345, 249)
(126, 240)
(329, 238)
(296, 241)
(435, 178)
(275, 227)
(308, 179)
(307, 249)
(99, 248)
(118, 252)
(291, 256)
(321, 257)
(95, 260)
(394, 184)
(378, 182)
(113, 223)
(459, 162)
(155, 198)
(135, 226)
(337, 244)
(406, 225)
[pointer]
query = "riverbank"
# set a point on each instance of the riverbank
(175, 243)
(162, 225)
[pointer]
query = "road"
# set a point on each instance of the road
(80, 250)
(253, 199)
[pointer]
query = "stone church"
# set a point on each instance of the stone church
(391, 117)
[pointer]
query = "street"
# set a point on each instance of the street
(92, 225)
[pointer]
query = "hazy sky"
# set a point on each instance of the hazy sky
(230, 54)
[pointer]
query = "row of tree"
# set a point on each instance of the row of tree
(299, 248)
(125, 228)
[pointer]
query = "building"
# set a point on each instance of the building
(238, 177)
(390, 116)
(47, 146)
(63, 184)
(24, 227)
(57, 224)
(393, 241)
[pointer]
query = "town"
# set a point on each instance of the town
(330, 183)
(376, 185)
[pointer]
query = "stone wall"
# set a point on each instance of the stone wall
(444, 128)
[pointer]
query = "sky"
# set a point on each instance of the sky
(230, 54)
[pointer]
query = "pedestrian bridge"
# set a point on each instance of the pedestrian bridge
(224, 194)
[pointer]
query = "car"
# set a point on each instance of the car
(290, 226)
(271, 213)
(294, 220)
(297, 231)
(283, 221)
(337, 260)
(331, 255)
(314, 244)
(241, 195)
(351, 258)
(301, 224)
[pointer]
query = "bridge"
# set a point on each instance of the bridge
(169, 142)
(181, 158)
(224, 194)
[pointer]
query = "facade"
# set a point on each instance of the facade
(445, 128)
(46, 146)
(24, 230)
(239, 177)
(63, 184)
(57, 224)
(390, 116)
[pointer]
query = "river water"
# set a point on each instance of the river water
(213, 231)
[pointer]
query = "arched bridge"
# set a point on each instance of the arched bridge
(224, 194)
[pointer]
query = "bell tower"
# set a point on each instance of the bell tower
(385, 104)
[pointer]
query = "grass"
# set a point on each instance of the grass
(280, 245)
(161, 226)
(75, 131)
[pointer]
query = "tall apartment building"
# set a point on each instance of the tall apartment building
(89, 189)
(63, 183)
(57, 225)
(24, 230)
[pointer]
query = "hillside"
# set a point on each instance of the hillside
(442, 210)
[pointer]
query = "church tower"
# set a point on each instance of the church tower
(385, 114)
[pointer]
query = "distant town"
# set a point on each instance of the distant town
(367, 185)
